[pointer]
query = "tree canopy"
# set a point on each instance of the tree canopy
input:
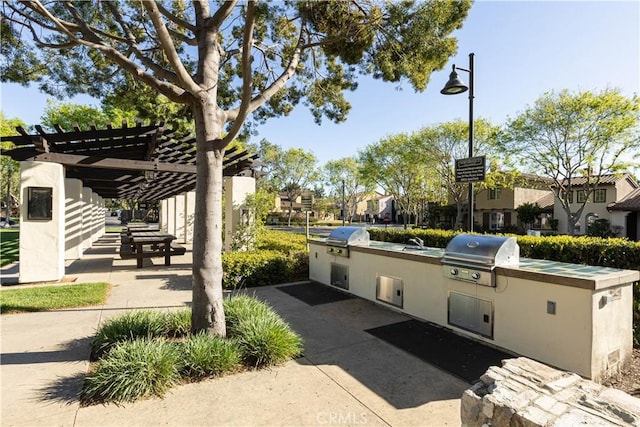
(566, 135)
(228, 62)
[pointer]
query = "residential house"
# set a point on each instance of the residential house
(378, 207)
(495, 208)
(625, 213)
(600, 204)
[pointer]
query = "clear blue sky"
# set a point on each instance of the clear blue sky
(522, 49)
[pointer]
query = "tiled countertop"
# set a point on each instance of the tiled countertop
(577, 275)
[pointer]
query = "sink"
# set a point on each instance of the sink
(415, 248)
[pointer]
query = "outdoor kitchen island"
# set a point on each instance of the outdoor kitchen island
(574, 317)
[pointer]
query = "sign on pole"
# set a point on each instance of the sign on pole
(471, 169)
(307, 201)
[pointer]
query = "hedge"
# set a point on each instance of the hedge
(279, 257)
(605, 252)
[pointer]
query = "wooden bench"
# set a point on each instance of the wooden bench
(127, 251)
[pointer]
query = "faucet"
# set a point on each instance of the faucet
(418, 241)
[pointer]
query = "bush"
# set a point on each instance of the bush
(263, 268)
(206, 356)
(133, 370)
(263, 337)
(139, 324)
(282, 241)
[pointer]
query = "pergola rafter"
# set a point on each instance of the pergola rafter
(113, 161)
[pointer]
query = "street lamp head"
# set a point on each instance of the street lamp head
(454, 86)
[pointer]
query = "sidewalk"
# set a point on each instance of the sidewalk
(346, 376)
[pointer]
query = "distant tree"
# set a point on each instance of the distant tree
(582, 135)
(10, 169)
(68, 115)
(401, 166)
(345, 173)
(290, 171)
(227, 61)
(527, 213)
(450, 141)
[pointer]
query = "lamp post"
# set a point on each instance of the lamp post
(344, 206)
(453, 87)
(9, 173)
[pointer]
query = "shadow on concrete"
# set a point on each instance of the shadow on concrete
(63, 390)
(72, 351)
(335, 342)
(171, 281)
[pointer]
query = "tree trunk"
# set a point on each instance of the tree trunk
(458, 224)
(207, 311)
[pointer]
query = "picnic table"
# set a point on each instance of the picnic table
(150, 244)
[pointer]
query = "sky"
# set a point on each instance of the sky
(522, 50)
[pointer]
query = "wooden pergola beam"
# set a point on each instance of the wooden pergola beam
(111, 163)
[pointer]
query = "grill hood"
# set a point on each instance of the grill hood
(481, 251)
(345, 236)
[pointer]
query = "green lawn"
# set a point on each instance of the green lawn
(44, 298)
(9, 245)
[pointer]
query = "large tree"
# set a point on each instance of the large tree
(226, 61)
(450, 141)
(575, 139)
(347, 184)
(290, 172)
(400, 165)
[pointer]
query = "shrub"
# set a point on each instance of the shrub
(139, 324)
(282, 241)
(263, 337)
(263, 268)
(133, 370)
(205, 356)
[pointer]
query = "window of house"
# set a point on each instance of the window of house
(582, 196)
(494, 193)
(600, 196)
(496, 221)
(569, 194)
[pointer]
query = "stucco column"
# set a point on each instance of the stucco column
(42, 219)
(73, 218)
(180, 217)
(236, 189)
(86, 218)
(190, 209)
(164, 205)
(171, 215)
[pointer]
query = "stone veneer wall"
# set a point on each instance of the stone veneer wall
(527, 393)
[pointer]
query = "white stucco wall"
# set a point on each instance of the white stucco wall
(190, 211)
(583, 336)
(73, 218)
(236, 189)
(163, 215)
(86, 218)
(181, 217)
(42, 242)
(171, 215)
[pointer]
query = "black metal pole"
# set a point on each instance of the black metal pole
(344, 211)
(9, 173)
(471, 55)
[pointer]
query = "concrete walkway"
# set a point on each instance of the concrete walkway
(346, 376)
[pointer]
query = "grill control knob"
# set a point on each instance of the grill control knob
(454, 271)
(475, 275)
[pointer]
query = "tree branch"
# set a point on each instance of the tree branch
(278, 84)
(247, 42)
(173, 18)
(169, 49)
(221, 15)
(158, 70)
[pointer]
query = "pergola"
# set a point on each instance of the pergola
(138, 162)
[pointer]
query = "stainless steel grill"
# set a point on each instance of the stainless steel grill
(473, 258)
(341, 238)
